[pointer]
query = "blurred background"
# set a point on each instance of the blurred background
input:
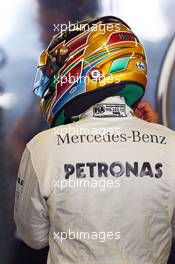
(26, 27)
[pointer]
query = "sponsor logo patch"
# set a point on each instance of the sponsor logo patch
(140, 66)
(109, 110)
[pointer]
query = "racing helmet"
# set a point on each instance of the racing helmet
(88, 62)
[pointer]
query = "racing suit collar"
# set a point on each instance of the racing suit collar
(110, 107)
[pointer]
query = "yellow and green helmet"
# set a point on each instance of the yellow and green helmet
(92, 60)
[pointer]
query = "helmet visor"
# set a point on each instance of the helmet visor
(41, 82)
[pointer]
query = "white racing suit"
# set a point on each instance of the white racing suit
(100, 190)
